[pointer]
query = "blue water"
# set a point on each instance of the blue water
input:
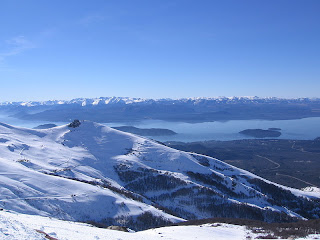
(302, 129)
(24, 123)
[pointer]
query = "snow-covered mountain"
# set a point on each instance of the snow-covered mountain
(120, 109)
(80, 101)
(92, 173)
(128, 100)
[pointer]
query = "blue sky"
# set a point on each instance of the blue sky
(159, 48)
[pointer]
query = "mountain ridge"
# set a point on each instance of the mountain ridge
(117, 109)
(130, 100)
(102, 167)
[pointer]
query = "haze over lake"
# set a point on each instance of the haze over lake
(24, 123)
(300, 129)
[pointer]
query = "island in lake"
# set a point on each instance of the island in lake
(146, 131)
(274, 129)
(261, 133)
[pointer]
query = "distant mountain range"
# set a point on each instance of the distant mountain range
(135, 101)
(121, 109)
(92, 173)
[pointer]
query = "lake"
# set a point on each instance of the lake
(24, 123)
(302, 129)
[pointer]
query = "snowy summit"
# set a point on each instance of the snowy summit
(88, 172)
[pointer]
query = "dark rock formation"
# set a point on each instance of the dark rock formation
(75, 123)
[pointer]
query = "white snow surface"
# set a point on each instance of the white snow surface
(89, 153)
(15, 226)
(26, 154)
(22, 226)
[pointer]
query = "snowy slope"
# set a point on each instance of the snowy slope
(26, 189)
(21, 226)
(96, 173)
(27, 227)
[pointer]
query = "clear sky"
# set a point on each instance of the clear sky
(159, 48)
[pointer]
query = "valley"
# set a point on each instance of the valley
(293, 163)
